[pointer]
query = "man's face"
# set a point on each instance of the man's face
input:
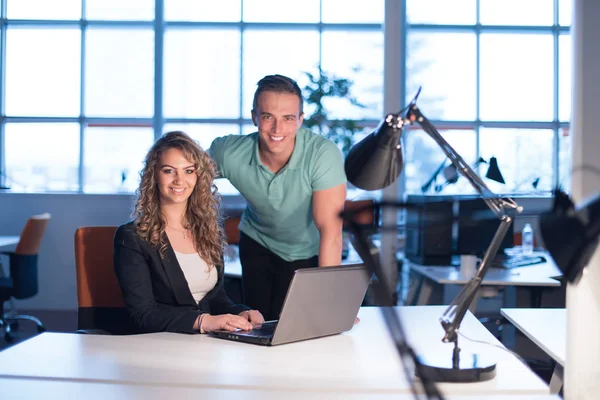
(278, 117)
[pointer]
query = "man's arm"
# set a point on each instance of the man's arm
(327, 205)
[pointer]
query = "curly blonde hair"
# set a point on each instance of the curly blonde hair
(202, 211)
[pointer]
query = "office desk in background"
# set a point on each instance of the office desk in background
(431, 279)
(547, 328)
(8, 243)
(362, 361)
(233, 266)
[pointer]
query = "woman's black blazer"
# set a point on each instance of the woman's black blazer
(155, 290)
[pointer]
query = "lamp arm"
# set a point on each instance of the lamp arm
(497, 204)
(454, 314)
(408, 357)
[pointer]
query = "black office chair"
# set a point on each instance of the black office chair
(22, 283)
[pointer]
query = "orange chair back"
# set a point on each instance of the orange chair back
(30, 240)
(97, 284)
(366, 217)
(232, 231)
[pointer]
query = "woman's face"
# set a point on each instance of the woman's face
(176, 177)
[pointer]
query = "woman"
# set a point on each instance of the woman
(169, 260)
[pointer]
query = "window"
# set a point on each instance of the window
(89, 88)
(495, 83)
(109, 78)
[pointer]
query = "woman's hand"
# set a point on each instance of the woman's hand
(254, 316)
(228, 322)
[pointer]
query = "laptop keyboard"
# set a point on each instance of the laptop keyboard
(265, 330)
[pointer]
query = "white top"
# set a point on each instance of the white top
(201, 277)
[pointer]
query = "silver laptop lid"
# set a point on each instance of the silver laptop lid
(321, 302)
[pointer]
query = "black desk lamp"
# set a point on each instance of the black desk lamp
(376, 162)
(571, 233)
(451, 174)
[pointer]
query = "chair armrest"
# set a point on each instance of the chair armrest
(93, 332)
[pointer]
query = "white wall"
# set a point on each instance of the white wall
(56, 269)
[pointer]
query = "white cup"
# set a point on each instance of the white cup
(469, 264)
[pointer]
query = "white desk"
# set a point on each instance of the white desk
(534, 276)
(360, 361)
(233, 266)
(18, 389)
(547, 328)
(8, 243)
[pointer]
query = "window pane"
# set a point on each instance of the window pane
(45, 79)
(195, 85)
(211, 11)
(42, 156)
(119, 72)
(205, 134)
(362, 63)
(456, 12)
(444, 65)
(267, 52)
(564, 159)
(565, 11)
(564, 77)
(281, 11)
(353, 11)
(517, 77)
(423, 157)
(43, 9)
(516, 12)
(523, 156)
(129, 10)
(248, 128)
(113, 157)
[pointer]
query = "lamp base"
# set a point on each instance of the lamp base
(469, 368)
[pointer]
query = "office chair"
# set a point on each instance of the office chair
(22, 283)
(101, 308)
(232, 233)
(368, 218)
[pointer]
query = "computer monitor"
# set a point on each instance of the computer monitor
(429, 229)
(477, 225)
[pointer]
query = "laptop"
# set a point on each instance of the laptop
(320, 302)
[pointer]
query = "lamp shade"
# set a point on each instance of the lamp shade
(376, 161)
(571, 234)
(493, 172)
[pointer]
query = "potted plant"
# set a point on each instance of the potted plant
(321, 86)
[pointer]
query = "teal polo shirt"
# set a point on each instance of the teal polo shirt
(279, 212)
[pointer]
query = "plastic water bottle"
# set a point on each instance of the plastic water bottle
(527, 237)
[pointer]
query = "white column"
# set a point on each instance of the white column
(582, 372)
(393, 101)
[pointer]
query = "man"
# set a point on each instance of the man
(295, 186)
